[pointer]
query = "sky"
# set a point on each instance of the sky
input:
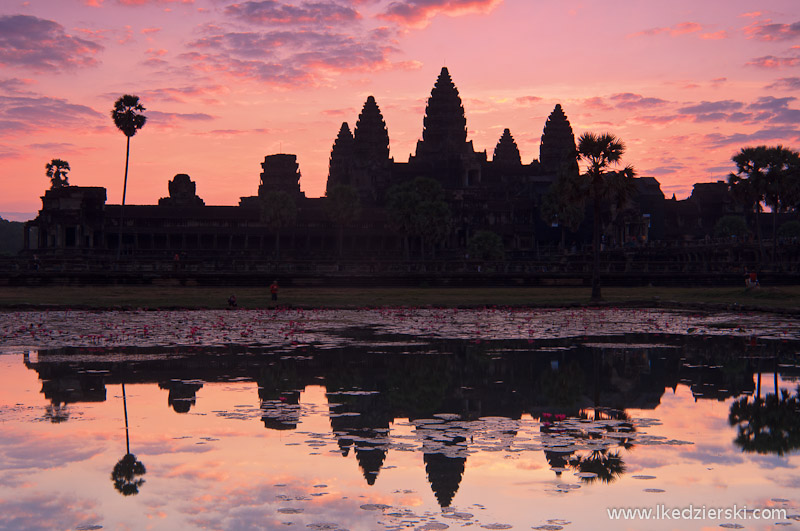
(685, 84)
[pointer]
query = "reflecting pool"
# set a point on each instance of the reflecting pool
(399, 419)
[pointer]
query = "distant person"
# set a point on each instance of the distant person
(273, 289)
(750, 279)
(232, 301)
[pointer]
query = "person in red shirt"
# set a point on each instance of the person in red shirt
(273, 289)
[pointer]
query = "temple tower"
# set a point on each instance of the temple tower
(281, 173)
(371, 162)
(557, 149)
(506, 152)
(444, 149)
(340, 166)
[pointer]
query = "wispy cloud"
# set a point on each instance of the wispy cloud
(779, 134)
(25, 114)
(418, 13)
(768, 31)
(43, 45)
(774, 62)
(786, 83)
(272, 12)
(674, 31)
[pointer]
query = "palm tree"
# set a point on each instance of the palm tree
(57, 170)
(128, 117)
(343, 207)
(748, 184)
(601, 152)
(128, 468)
(782, 185)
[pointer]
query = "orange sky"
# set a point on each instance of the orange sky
(685, 84)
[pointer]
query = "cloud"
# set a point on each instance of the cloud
(771, 103)
(271, 12)
(287, 58)
(772, 61)
(42, 45)
(185, 94)
(26, 114)
(780, 134)
(768, 31)
(171, 119)
(418, 13)
(676, 30)
(712, 106)
(528, 100)
(629, 100)
(787, 83)
(154, 2)
(15, 85)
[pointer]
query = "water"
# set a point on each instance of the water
(401, 419)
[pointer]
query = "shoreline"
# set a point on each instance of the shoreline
(780, 300)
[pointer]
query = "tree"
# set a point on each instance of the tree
(565, 203)
(728, 226)
(128, 117)
(57, 170)
(600, 153)
(278, 211)
(486, 245)
(748, 184)
(782, 186)
(343, 207)
(417, 208)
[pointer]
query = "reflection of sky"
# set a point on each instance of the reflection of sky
(210, 468)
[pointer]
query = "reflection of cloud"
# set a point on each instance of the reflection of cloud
(418, 13)
(274, 12)
(24, 452)
(712, 454)
(40, 44)
(39, 511)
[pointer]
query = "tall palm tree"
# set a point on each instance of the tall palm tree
(748, 184)
(57, 170)
(128, 117)
(600, 153)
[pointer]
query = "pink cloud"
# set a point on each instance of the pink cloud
(418, 13)
(43, 45)
(718, 35)
(274, 12)
(528, 100)
(768, 31)
(149, 31)
(774, 62)
(674, 31)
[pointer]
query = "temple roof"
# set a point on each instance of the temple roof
(558, 141)
(445, 126)
(506, 152)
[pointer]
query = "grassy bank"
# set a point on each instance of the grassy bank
(783, 298)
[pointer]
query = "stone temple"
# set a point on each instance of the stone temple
(501, 194)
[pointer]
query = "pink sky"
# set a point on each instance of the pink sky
(684, 83)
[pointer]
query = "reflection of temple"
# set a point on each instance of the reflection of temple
(501, 193)
(438, 393)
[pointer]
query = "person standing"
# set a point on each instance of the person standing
(273, 289)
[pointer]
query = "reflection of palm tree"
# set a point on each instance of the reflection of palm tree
(608, 466)
(127, 468)
(767, 426)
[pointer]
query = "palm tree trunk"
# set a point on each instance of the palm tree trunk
(125, 408)
(596, 296)
(758, 234)
(774, 233)
(124, 189)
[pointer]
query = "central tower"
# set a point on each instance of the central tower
(444, 146)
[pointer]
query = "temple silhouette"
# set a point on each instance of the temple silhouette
(502, 194)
